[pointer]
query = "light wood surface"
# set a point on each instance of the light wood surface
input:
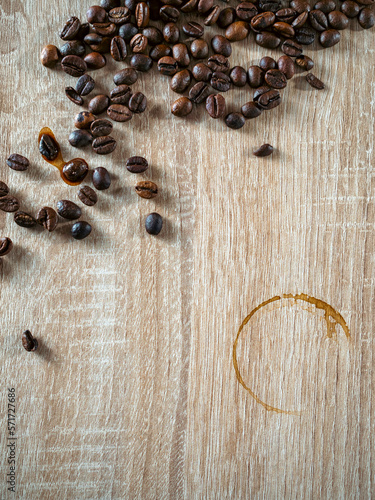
(133, 393)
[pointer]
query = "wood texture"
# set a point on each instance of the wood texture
(133, 392)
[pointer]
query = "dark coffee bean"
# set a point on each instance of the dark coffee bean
(80, 230)
(29, 342)
(237, 31)
(201, 72)
(366, 2)
(300, 6)
(127, 76)
(74, 66)
(49, 56)
(255, 76)
(286, 66)
(189, 6)
(169, 14)
(263, 21)
(291, 48)
(105, 29)
(139, 44)
(71, 94)
(154, 223)
(98, 43)
(215, 105)
(204, 6)
(121, 94)
(153, 35)
(264, 150)
(246, 11)
(101, 178)
(235, 120)
(75, 170)
(24, 220)
(141, 62)
(9, 203)
(119, 15)
(212, 16)
(118, 49)
(159, 51)
(6, 246)
(275, 79)
(238, 76)
(171, 33)
(84, 119)
(70, 29)
(68, 210)
(73, 48)
(199, 48)
(226, 17)
(325, 6)
(338, 20)
(85, 85)
(95, 60)
(193, 29)
(283, 29)
(218, 62)
(109, 4)
(199, 92)
(314, 81)
(80, 138)
(138, 102)
(146, 189)
(83, 31)
(300, 20)
(181, 81)
(87, 195)
(366, 18)
(269, 5)
(318, 20)
(96, 14)
(137, 164)
(267, 98)
(101, 127)
(267, 63)
(350, 9)
(142, 14)
(48, 147)
(267, 40)
(98, 104)
(220, 45)
(127, 31)
(305, 63)
(286, 15)
(329, 38)
(4, 190)
(305, 35)
(104, 145)
(220, 81)
(47, 217)
(250, 110)
(18, 162)
(119, 113)
(181, 54)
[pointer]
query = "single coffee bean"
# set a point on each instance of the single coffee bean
(18, 162)
(24, 220)
(283, 29)
(267, 98)
(48, 147)
(366, 2)
(250, 110)
(182, 107)
(29, 342)
(6, 246)
(98, 104)
(167, 66)
(80, 138)
(237, 31)
(181, 81)
(264, 150)
(291, 48)
(300, 6)
(153, 35)
(101, 178)
(121, 94)
(366, 18)
(49, 56)
(263, 21)
(329, 38)
(109, 4)
(246, 11)
(141, 62)
(204, 6)
(171, 33)
(212, 16)
(193, 29)
(255, 76)
(286, 15)
(189, 6)
(181, 54)
(300, 20)
(4, 190)
(220, 81)
(87, 195)
(325, 6)
(269, 5)
(215, 105)
(226, 17)
(275, 79)
(105, 29)
(154, 223)
(314, 81)
(96, 14)
(199, 92)
(220, 45)
(267, 40)
(305, 63)
(138, 103)
(338, 20)
(139, 44)
(104, 145)
(101, 127)
(80, 230)
(68, 210)
(119, 15)
(238, 76)
(84, 119)
(127, 76)
(267, 63)
(159, 51)
(136, 164)
(235, 120)
(318, 20)
(73, 48)
(146, 189)
(47, 217)
(95, 60)
(350, 9)
(118, 48)
(199, 48)
(305, 35)
(85, 85)
(71, 94)
(127, 31)
(70, 29)
(9, 203)
(218, 62)
(286, 66)
(169, 14)
(98, 43)
(201, 72)
(119, 113)
(75, 170)
(142, 15)
(74, 66)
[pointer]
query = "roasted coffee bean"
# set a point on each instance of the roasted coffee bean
(83, 31)
(98, 43)
(262, 21)
(325, 6)
(24, 220)
(119, 15)
(305, 63)
(101, 127)
(238, 76)
(6, 246)
(305, 35)
(4, 190)
(181, 81)
(121, 94)
(70, 29)
(80, 138)
(87, 195)
(142, 14)
(159, 51)
(220, 45)
(237, 31)
(314, 81)
(338, 20)
(366, 2)
(109, 4)
(84, 119)
(98, 104)
(127, 31)
(85, 85)
(169, 14)
(255, 76)
(300, 20)
(204, 6)
(101, 178)
(47, 217)
(286, 66)
(267, 40)
(264, 150)
(146, 189)
(75, 170)
(154, 223)
(104, 29)
(193, 29)
(226, 17)
(250, 110)
(167, 66)
(267, 98)
(199, 92)
(220, 81)
(218, 62)
(71, 94)
(137, 164)
(104, 145)
(283, 29)
(80, 230)
(199, 48)
(366, 18)
(329, 38)
(286, 15)
(300, 6)
(189, 6)
(9, 203)
(153, 35)
(127, 76)
(139, 44)
(318, 20)
(269, 5)
(141, 62)
(235, 120)
(246, 11)
(29, 342)
(275, 79)
(119, 113)
(201, 72)
(96, 14)
(350, 9)
(73, 48)
(155, 6)
(68, 210)
(74, 66)
(138, 103)
(95, 60)
(212, 16)
(48, 147)
(49, 56)
(118, 48)
(215, 105)
(267, 63)
(18, 162)
(171, 33)
(181, 54)
(291, 48)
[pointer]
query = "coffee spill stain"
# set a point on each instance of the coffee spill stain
(331, 317)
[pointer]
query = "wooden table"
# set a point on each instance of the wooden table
(133, 393)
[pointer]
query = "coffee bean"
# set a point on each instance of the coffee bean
(154, 223)
(199, 92)
(119, 15)
(283, 29)
(255, 76)
(127, 76)
(18, 162)
(118, 49)
(47, 218)
(101, 178)
(366, 18)
(101, 127)
(182, 107)
(4, 190)
(49, 56)
(204, 6)
(286, 65)
(6, 246)
(220, 45)
(325, 6)
(95, 60)
(276, 79)
(167, 66)
(80, 138)
(96, 14)
(218, 62)
(121, 94)
(141, 62)
(199, 48)
(329, 38)
(212, 16)
(127, 31)
(300, 20)
(104, 29)
(75, 170)
(80, 230)
(235, 120)
(138, 103)
(300, 6)
(238, 76)
(264, 150)
(291, 48)
(250, 110)
(98, 104)
(85, 84)
(139, 44)
(104, 145)
(338, 20)
(189, 6)
(267, 63)
(318, 20)
(267, 40)
(71, 94)
(87, 195)
(350, 9)
(74, 66)
(9, 203)
(286, 15)
(68, 210)
(171, 33)
(305, 63)
(29, 342)
(237, 31)
(83, 31)
(262, 21)
(48, 147)
(146, 189)
(24, 220)
(269, 5)
(137, 164)
(193, 29)
(159, 51)
(153, 35)
(181, 54)
(142, 14)
(246, 11)
(70, 29)
(119, 113)
(109, 4)
(169, 14)
(98, 43)
(201, 72)
(215, 105)
(181, 81)
(314, 81)
(220, 81)
(84, 119)
(267, 98)
(305, 35)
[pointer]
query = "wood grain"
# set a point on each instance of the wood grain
(133, 392)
